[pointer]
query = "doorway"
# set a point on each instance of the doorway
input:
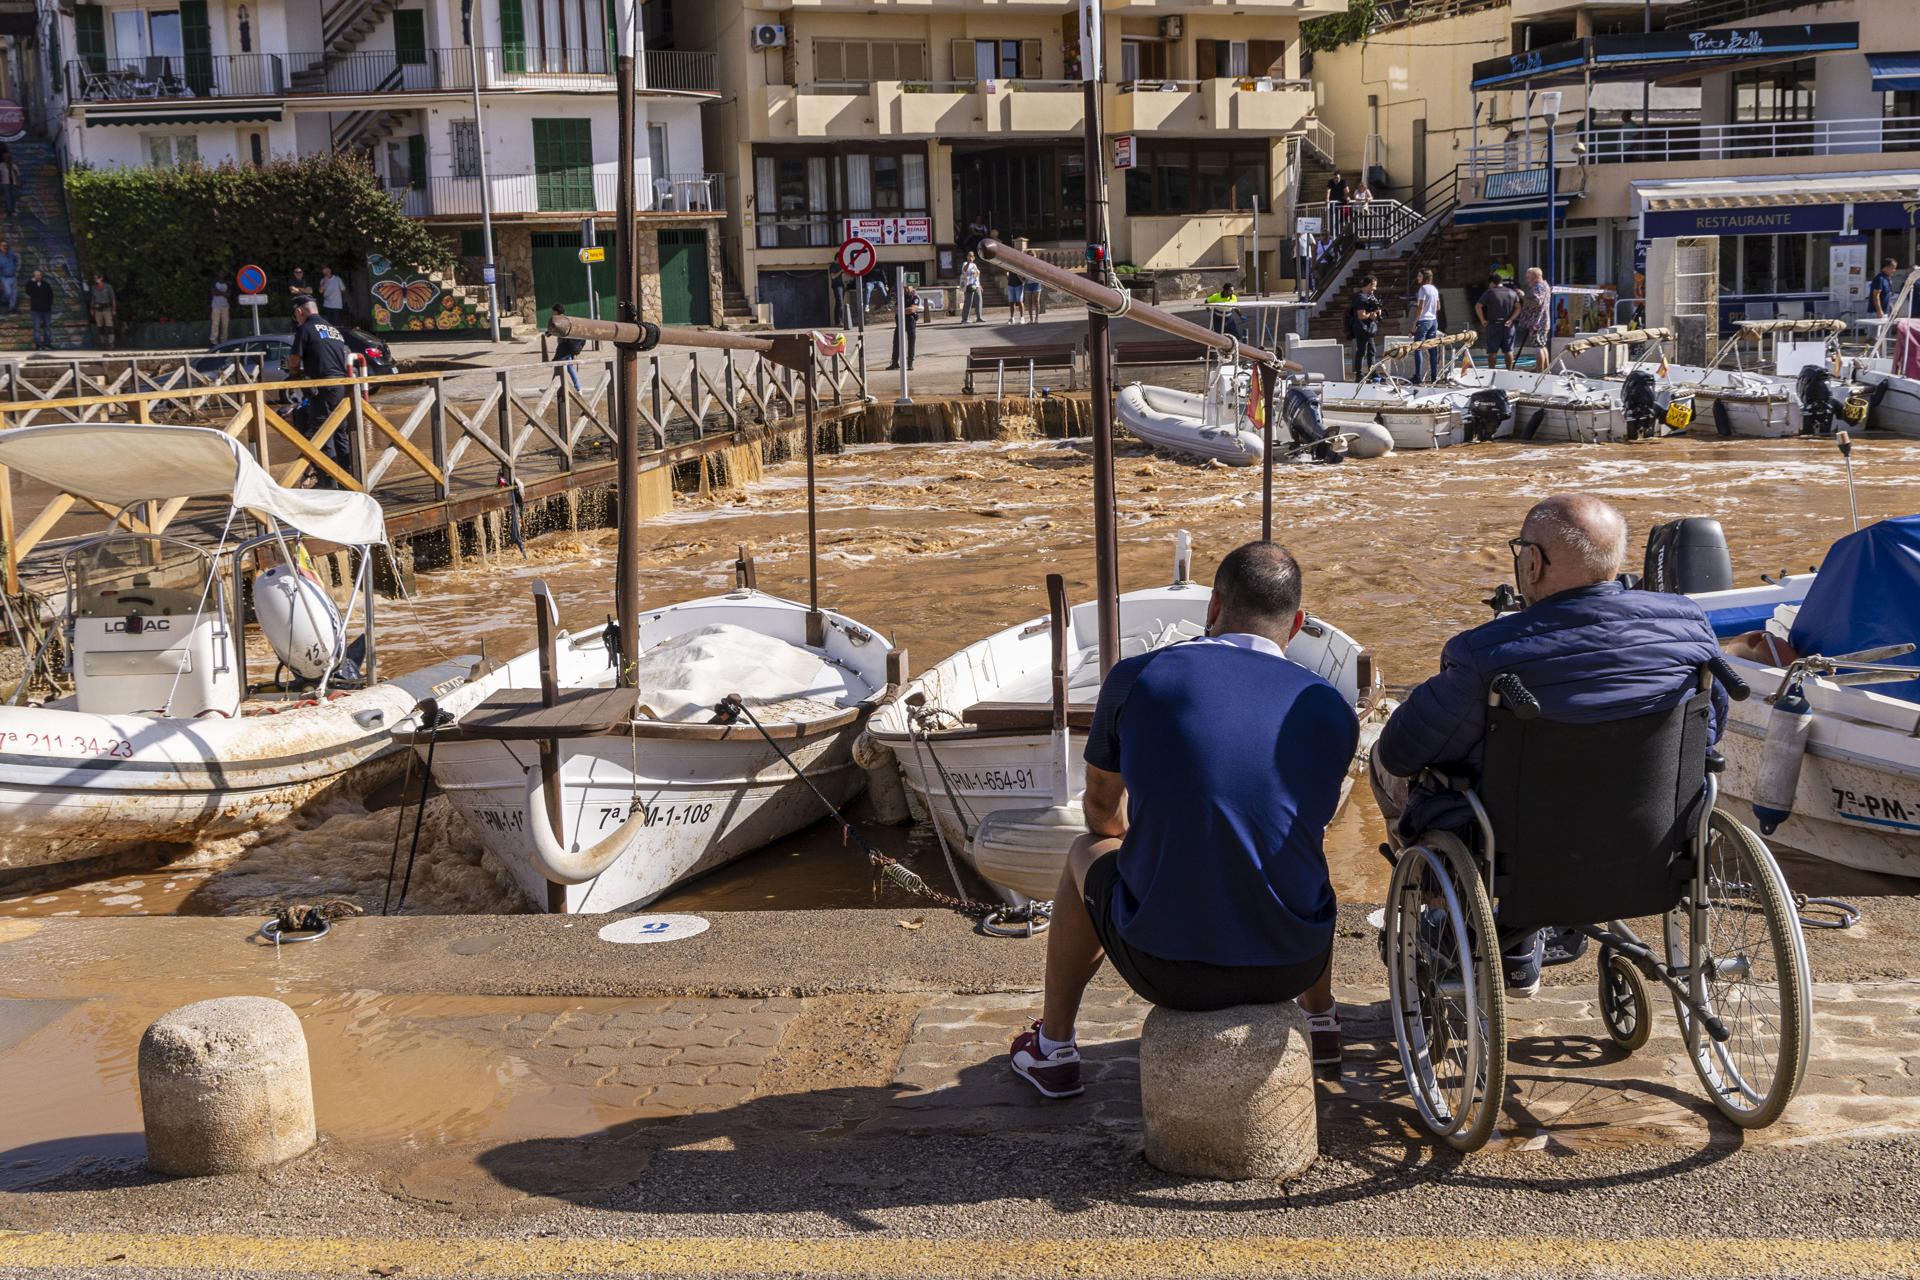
(1036, 192)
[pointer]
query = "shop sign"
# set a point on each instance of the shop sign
(1776, 220)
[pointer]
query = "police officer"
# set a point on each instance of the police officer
(319, 351)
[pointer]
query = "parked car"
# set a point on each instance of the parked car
(275, 347)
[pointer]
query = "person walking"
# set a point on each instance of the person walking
(40, 303)
(1499, 303)
(1363, 327)
(9, 276)
(103, 305)
(1426, 324)
(1016, 297)
(1884, 292)
(1536, 317)
(1035, 298)
(219, 310)
(319, 351)
(566, 349)
(333, 297)
(910, 307)
(971, 295)
(1219, 303)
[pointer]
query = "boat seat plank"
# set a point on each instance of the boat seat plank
(1025, 715)
(517, 715)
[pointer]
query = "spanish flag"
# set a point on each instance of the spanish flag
(1663, 364)
(1466, 359)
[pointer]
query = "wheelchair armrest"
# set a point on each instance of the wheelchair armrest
(1716, 763)
(1441, 780)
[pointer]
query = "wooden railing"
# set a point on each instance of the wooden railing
(408, 436)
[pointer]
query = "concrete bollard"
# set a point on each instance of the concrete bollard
(224, 1087)
(1229, 1094)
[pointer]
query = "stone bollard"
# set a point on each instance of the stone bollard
(1229, 1094)
(224, 1087)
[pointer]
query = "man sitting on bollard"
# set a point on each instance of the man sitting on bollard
(1213, 769)
(1589, 651)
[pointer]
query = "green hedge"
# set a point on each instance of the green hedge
(1336, 29)
(160, 236)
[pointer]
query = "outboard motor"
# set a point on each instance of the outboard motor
(1486, 410)
(1688, 556)
(1818, 403)
(1306, 425)
(1640, 401)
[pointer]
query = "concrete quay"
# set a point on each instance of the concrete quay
(825, 1093)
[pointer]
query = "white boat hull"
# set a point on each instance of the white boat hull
(662, 803)
(1857, 802)
(1415, 419)
(74, 784)
(1895, 402)
(1181, 423)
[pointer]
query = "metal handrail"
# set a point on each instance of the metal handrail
(1658, 143)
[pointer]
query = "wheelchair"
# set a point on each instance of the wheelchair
(1577, 822)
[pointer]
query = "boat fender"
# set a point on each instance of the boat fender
(1533, 423)
(1369, 440)
(1722, 420)
(299, 620)
(1788, 725)
(573, 866)
(886, 790)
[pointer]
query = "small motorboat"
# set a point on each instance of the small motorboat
(985, 757)
(1549, 408)
(1214, 426)
(1413, 416)
(1893, 399)
(166, 734)
(1825, 751)
(1755, 403)
(601, 798)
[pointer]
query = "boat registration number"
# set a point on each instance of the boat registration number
(993, 779)
(67, 744)
(1878, 810)
(666, 815)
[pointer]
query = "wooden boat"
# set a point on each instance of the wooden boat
(977, 745)
(1752, 402)
(167, 736)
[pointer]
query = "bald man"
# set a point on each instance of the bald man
(1588, 649)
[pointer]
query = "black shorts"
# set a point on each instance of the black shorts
(1499, 338)
(1192, 985)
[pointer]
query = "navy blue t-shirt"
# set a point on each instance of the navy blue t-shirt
(1233, 759)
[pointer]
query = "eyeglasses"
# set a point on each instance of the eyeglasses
(1514, 545)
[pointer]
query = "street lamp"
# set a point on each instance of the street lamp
(486, 187)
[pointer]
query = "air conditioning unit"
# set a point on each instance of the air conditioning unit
(1170, 27)
(769, 35)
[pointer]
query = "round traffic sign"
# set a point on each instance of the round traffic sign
(857, 256)
(251, 279)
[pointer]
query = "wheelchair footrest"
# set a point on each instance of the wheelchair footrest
(1564, 946)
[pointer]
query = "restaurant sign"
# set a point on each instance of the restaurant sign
(1776, 220)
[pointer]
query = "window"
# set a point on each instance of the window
(163, 30)
(1143, 60)
(1186, 177)
(800, 196)
(464, 136)
(410, 36)
(257, 147)
(1783, 92)
(169, 151)
(997, 59)
(563, 164)
(865, 61)
(1235, 59)
(129, 35)
(1901, 128)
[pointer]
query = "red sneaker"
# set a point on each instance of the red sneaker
(1323, 1030)
(1055, 1075)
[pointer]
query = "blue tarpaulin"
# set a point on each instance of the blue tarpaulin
(1893, 72)
(1867, 595)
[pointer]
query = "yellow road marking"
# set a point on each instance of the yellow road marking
(1036, 1258)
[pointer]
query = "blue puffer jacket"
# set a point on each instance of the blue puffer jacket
(1589, 655)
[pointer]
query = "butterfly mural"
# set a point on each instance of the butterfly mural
(395, 296)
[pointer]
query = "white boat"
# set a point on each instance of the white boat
(637, 789)
(1211, 426)
(1893, 401)
(1852, 796)
(976, 748)
(1415, 417)
(166, 737)
(1754, 402)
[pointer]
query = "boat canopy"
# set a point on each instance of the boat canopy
(118, 464)
(1867, 594)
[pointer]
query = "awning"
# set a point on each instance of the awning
(1662, 55)
(1531, 208)
(1773, 204)
(1893, 72)
(188, 115)
(120, 464)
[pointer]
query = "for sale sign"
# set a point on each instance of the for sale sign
(884, 231)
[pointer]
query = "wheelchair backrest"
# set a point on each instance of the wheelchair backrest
(1592, 822)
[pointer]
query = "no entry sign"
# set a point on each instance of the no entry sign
(857, 256)
(251, 280)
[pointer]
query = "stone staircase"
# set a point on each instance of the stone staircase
(475, 296)
(1396, 283)
(43, 237)
(736, 309)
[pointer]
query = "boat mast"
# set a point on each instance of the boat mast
(1106, 544)
(626, 292)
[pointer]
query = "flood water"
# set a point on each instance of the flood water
(939, 545)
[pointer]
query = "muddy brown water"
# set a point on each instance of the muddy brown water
(939, 545)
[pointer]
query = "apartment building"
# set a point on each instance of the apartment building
(915, 120)
(169, 82)
(1749, 158)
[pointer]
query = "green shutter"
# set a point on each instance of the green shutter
(563, 165)
(417, 161)
(410, 36)
(513, 36)
(196, 42)
(90, 35)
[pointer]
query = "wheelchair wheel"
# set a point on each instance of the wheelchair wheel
(1625, 1005)
(1739, 941)
(1447, 991)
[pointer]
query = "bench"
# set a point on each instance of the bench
(998, 360)
(1162, 351)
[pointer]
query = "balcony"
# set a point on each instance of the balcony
(520, 194)
(943, 108)
(258, 75)
(1692, 144)
(1244, 104)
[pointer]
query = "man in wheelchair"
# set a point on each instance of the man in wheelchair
(1589, 650)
